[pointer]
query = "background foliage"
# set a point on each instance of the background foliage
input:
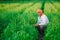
(17, 20)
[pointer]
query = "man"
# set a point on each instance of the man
(41, 24)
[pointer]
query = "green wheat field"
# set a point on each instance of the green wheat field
(17, 21)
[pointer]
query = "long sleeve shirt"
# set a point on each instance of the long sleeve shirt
(43, 20)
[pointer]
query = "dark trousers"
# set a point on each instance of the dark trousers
(41, 32)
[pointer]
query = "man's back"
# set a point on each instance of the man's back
(43, 20)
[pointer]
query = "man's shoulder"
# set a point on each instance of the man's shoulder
(44, 16)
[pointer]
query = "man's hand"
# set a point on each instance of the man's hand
(36, 25)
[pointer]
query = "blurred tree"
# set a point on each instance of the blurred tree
(43, 4)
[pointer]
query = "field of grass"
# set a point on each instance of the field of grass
(17, 20)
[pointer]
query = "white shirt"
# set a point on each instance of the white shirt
(43, 20)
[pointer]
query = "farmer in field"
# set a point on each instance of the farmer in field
(41, 23)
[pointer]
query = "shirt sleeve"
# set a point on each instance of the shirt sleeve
(38, 21)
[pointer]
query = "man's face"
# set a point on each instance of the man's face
(39, 12)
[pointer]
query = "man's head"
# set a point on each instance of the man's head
(39, 12)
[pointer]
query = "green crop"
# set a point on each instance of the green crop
(17, 21)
